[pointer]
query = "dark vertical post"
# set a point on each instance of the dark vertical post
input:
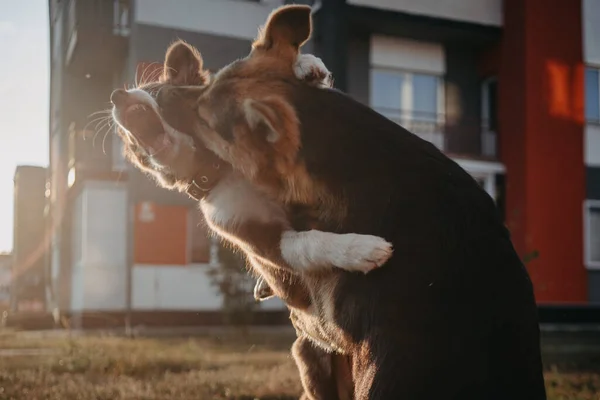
(333, 39)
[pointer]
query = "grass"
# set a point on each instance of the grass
(223, 367)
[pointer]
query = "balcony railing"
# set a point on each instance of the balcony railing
(468, 136)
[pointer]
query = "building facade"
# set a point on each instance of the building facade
(492, 83)
(591, 216)
(30, 243)
(5, 280)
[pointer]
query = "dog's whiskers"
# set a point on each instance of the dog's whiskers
(110, 126)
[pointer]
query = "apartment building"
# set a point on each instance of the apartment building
(494, 84)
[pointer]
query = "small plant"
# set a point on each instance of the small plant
(529, 257)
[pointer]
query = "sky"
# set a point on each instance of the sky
(24, 97)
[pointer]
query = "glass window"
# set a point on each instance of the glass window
(405, 97)
(386, 90)
(593, 235)
(592, 95)
(425, 97)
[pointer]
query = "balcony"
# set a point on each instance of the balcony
(467, 137)
(96, 36)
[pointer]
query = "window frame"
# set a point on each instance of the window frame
(597, 69)
(489, 136)
(588, 205)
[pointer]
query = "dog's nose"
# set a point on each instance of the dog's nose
(118, 97)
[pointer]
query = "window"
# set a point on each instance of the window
(592, 233)
(592, 95)
(199, 237)
(410, 99)
(121, 18)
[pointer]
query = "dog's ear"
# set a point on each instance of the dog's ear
(286, 27)
(262, 115)
(274, 117)
(183, 65)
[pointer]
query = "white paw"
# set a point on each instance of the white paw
(363, 252)
(310, 68)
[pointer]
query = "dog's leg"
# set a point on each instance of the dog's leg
(313, 250)
(315, 368)
(301, 252)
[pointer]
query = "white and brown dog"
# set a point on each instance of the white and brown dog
(236, 210)
(232, 207)
(454, 307)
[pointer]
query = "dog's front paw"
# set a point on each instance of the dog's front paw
(311, 69)
(365, 253)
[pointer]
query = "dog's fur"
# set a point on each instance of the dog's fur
(239, 212)
(263, 231)
(159, 149)
(451, 316)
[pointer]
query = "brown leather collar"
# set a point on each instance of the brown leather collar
(212, 169)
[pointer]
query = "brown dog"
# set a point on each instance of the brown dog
(234, 209)
(452, 315)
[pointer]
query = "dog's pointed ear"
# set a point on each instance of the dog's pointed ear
(287, 26)
(262, 115)
(272, 116)
(184, 65)
(273, 122)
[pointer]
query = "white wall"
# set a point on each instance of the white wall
(592, 145)
(173, 287)
(409, 55)
(486, 12)
(233, 18)
(100, 247)
(591, 32)
(274, 303)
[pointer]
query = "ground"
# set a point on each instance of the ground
(220, 366)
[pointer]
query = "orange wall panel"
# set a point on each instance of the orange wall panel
(160, 234)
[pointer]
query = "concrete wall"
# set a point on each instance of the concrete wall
(99, 247)
(229, 18)
(485, 12)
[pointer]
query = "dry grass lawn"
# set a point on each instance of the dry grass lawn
(224, 367)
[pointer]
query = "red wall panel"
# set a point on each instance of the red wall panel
(541, 141)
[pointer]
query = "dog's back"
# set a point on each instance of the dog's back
(455, 301)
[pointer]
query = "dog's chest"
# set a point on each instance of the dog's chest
(235, 201)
